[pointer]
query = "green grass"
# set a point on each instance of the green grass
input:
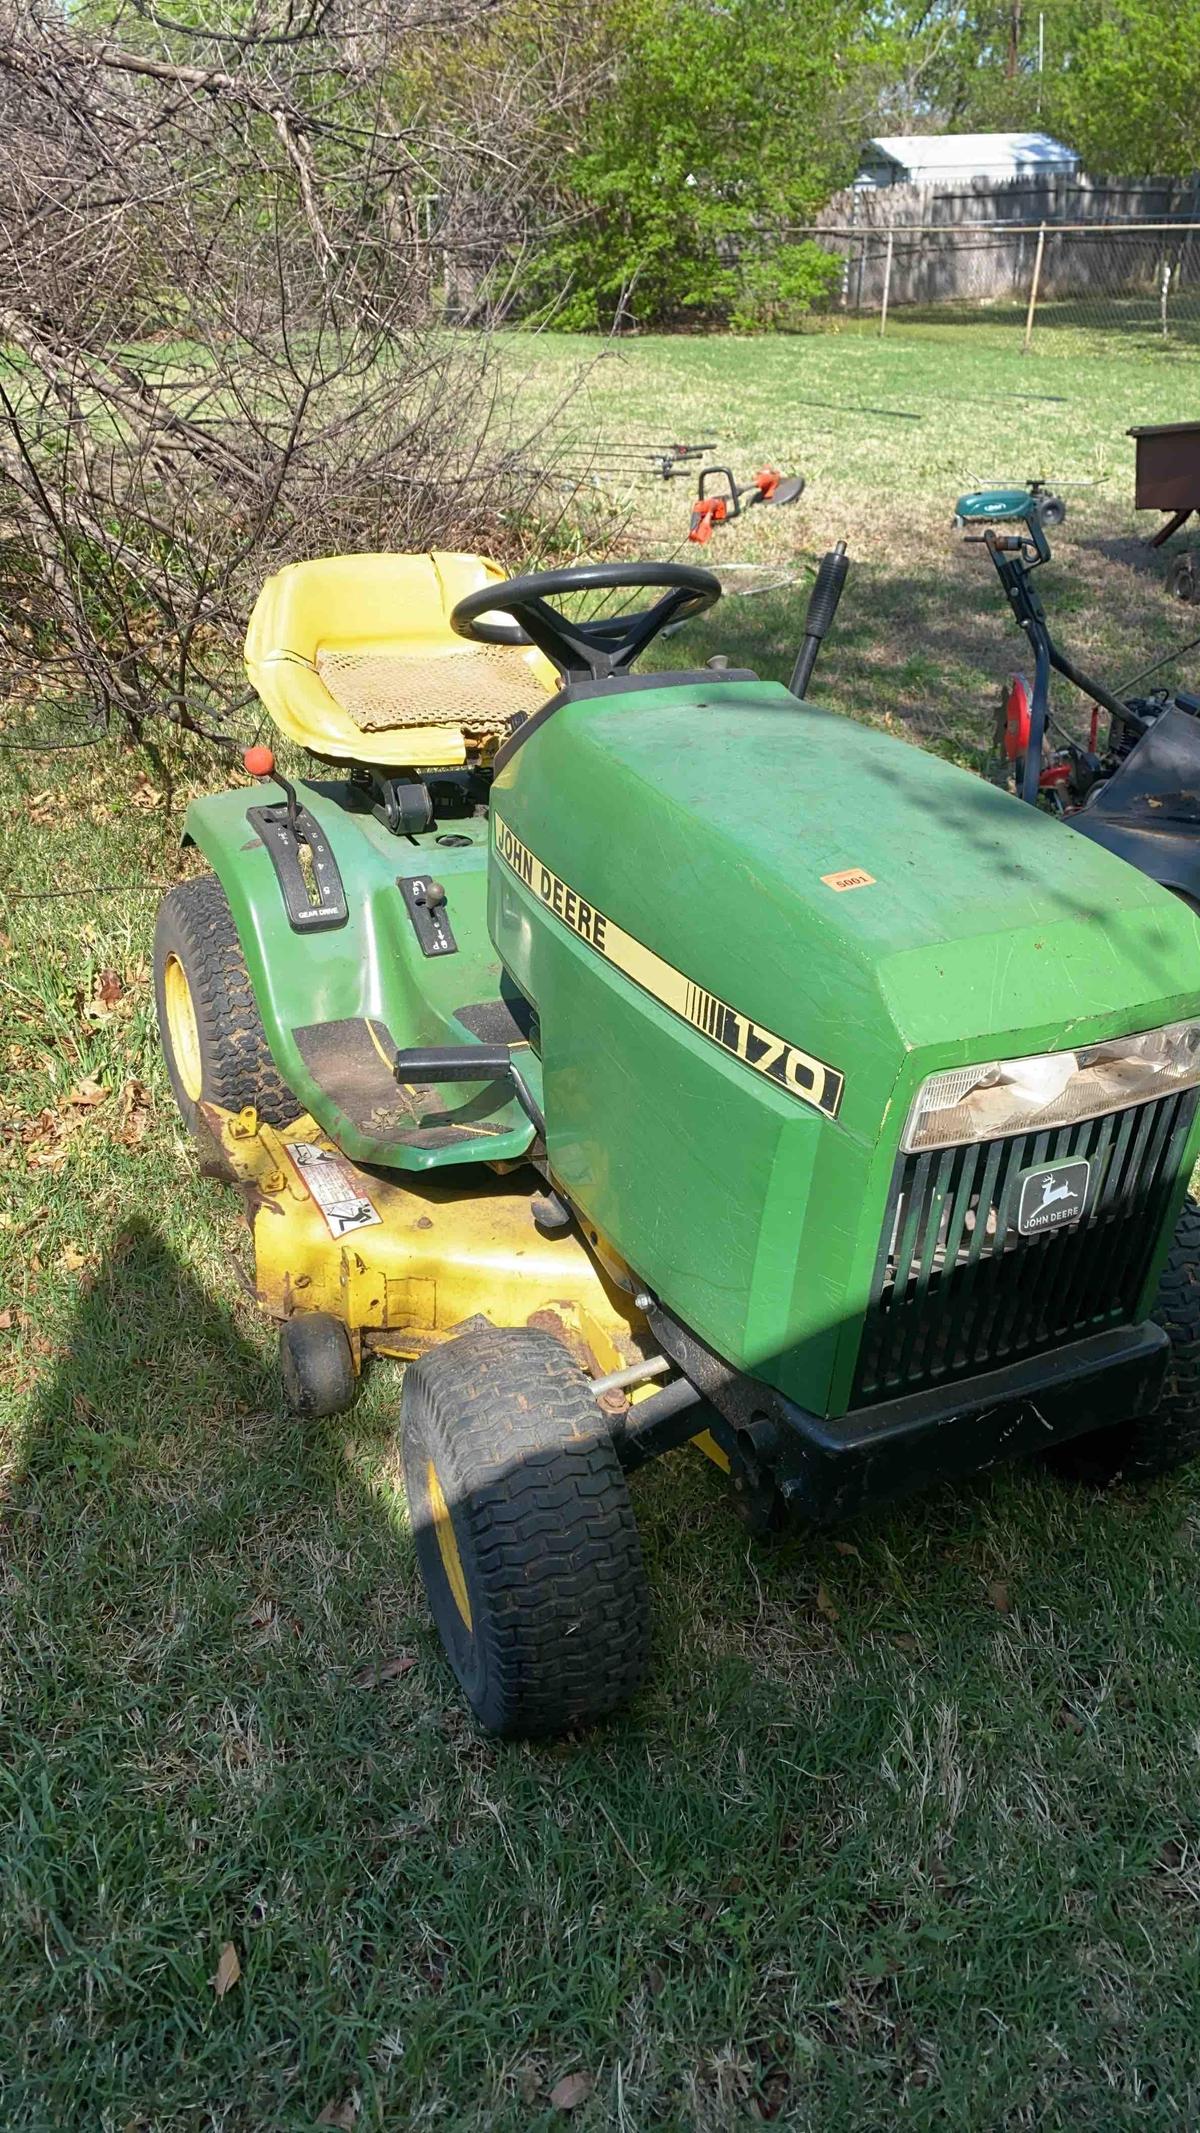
(905, 1828)
(888, 435)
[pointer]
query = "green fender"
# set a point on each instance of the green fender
(335, 1004)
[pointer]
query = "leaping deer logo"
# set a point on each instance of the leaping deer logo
(1051, 1193)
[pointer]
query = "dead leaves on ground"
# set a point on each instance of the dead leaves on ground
(135, 1113)
(49, 810)
(343, 2113)
(46, 1137)
(571, 2091)
(377, 1674)
(228, 1971)
(84, 1096)
(45, 809)
(110, 996)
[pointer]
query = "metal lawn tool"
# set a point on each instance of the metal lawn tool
(628, 461)
(1138, 790)
(719, 498)
(579, 1037)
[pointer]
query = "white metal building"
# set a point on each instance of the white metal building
(948, 159)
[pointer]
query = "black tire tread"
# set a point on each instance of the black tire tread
(316, 1365)
(545, 1506)
(196, 924)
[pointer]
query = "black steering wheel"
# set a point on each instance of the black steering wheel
(585, 650)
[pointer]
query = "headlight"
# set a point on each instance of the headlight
(981, 1103)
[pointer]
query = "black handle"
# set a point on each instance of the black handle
(823, 600)
(822, 607)
(731, 493)
(469, 1062)
(452, 1062)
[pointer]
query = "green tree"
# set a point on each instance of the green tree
(712, 126)
(1127, 92)
(1119, 79)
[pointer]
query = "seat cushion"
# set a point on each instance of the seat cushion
(479, 687)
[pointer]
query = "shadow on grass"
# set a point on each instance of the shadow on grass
(190, 1580)
(227, 1724)
(1135, 553)
(777, 1890)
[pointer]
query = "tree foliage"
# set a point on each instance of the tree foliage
(1119, 80)
(1126, 92)
(700, 130)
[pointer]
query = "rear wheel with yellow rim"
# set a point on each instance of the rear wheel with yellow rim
(212, 1033)
(524, 1532)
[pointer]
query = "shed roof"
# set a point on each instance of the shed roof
(958, 154)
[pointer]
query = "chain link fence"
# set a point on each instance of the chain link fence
(1039, 282)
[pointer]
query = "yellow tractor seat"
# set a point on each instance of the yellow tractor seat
(355, 659)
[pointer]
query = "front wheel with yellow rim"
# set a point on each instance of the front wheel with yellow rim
(212, 1034)
(524, 1532)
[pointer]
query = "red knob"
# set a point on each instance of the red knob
(259, 761)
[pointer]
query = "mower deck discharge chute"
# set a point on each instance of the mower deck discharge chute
(667, 1058)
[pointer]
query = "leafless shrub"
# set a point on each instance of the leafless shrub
(223, 336)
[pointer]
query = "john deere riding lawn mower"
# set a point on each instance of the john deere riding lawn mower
(656, 1057)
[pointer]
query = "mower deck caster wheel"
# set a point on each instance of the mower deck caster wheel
(316, 1365)
(524, 1532)
(1182, 583)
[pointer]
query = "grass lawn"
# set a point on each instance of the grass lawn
(905, 1829)
(888, 434)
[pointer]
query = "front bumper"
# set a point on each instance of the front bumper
(828, 1470)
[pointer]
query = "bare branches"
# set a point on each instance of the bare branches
(226, 258)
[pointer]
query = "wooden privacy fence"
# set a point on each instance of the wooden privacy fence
(1134, 277)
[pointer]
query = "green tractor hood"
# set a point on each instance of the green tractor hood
(750, 929)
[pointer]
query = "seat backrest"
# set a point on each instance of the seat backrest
(358, 600)
(336, 644)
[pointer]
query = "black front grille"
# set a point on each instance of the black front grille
(958, 1290)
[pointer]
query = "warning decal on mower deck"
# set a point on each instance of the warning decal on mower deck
(334, 1187)
(798, 1072)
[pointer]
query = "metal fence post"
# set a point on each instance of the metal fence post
(887, 283)
(1033, 287)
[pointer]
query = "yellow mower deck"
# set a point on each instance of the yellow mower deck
(402, 1267)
